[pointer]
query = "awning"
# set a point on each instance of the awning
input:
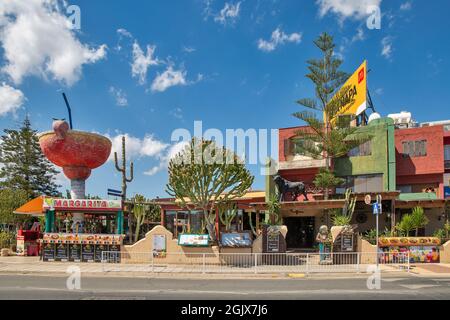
(33, 207)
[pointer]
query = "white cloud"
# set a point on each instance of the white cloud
(406, 6)
(359, 36)
(174, 150)
(189, 49)
(177, 113)
(119, 96)
(141, 62)
(386, 44)
(37, 39)
(149, 146)
(124, 33)
(228, 14)
(169, 78)
(344, 9)
(11, 99)
(379, 91)
(278, 38)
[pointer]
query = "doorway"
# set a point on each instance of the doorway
(300, 232)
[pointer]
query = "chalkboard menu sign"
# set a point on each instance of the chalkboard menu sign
(48, 252)
(75, 252)
(62, 252)
(273, 240)
(87, 253)
(99, 249)
(347, 243)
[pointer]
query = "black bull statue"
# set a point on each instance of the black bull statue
(295, 188)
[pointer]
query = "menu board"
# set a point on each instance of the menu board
(159, 246)
(273, 242)
(87, 253)
(62, 252)
(347, 243)
(75, 252)
(48, 252)
(235, 240)
(193, 240)
(99, 249)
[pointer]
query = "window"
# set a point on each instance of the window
(405, 189)
(363, 150)
(295, 146)
(364, 183)
(414, 148)
(447, 153)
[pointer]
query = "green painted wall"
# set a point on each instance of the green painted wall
(382, 160)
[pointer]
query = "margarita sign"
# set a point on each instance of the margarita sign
(82, 204)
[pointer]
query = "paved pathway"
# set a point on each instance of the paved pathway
(33, 265)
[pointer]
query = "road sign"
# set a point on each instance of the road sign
(377, 208)
(115, 193)
(368, 199)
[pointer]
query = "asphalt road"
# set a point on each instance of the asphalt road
(54, 287)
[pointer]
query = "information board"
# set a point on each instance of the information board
(87, 253)
(193, 240)
(62, 252)
(48, 252)
(75, 252)
(236, 240)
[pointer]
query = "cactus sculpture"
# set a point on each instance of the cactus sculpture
(122, 170)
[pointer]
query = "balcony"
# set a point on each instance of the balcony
(298, 162)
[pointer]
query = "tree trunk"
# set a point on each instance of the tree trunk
(209, 226)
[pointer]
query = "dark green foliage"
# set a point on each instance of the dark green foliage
(23, 165)
(203, 175)
(329, 137)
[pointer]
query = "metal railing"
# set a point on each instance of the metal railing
(286, 263)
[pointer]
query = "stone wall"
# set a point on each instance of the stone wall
(445, 252)
(141, 251)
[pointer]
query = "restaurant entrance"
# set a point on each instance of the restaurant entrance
(300, 232)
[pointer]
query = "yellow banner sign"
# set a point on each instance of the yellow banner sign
(354, 101)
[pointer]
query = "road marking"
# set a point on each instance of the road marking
(418, 286)
(393, 279)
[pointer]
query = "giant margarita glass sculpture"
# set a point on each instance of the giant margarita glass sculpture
(77, 153)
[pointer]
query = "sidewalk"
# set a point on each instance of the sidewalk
(33, 265)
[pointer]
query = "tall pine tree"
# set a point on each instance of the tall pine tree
(23, 165)
(324, 140)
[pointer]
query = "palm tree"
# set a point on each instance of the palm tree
(419, 219)
(406, 225)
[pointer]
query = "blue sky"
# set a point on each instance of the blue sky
(231, 64)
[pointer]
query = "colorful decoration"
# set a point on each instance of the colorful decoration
(409, 242)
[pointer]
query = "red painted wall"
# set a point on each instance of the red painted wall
(421, 171)
(286, 133)
(432, 163)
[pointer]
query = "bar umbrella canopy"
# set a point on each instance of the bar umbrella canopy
(33, 208)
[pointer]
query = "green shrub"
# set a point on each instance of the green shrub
(7, 239)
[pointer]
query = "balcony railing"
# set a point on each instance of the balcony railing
(302, 164)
